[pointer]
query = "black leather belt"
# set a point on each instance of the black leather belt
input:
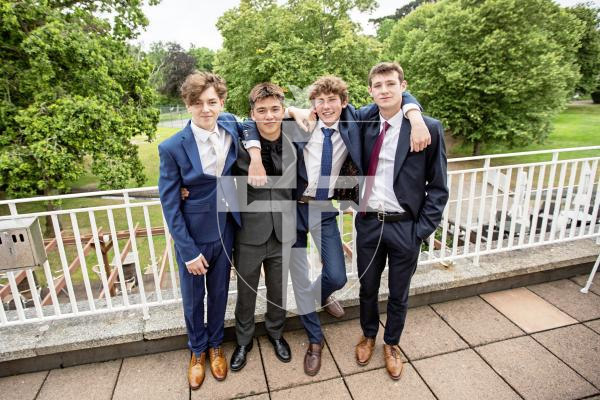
(383, 216)
(308, 199)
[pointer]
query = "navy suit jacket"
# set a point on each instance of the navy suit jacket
(420, 179)
(201, 218)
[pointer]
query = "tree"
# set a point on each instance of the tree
(291, 45)
(204, 57)
(71, 89)
(177, 64)
(588, 55)
(386, 24)
(492, 70)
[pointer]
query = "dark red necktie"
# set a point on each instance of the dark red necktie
(373, 161)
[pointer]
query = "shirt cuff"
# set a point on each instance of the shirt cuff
(407, 107)
(286, 114)
(248, 144)
(194, 260)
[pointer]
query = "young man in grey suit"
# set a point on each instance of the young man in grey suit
(268, 227)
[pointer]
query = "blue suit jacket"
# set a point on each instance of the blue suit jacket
(201, 218)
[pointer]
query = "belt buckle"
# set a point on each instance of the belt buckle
(380, 216)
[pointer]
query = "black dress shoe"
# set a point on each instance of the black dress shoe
(238, 358)
(282, 349)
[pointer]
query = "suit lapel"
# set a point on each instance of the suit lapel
(403, 147)
(230, 128)
(191, 148)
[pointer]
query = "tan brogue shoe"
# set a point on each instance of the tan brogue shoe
(312, 359)
(334, 308)
(218, 363)
(364, 350)
(393, 360)
(196, 371)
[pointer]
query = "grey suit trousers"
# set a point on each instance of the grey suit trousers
(248, 260)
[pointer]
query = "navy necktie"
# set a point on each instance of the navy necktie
(326, 163)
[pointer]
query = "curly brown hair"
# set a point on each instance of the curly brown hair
(329, 84)
(197, 82)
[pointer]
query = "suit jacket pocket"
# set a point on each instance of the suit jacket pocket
(195, 207)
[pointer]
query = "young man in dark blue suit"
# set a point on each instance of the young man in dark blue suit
(401, 205)
(200, 158)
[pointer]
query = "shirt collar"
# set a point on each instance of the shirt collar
(334, 126)
(395, 121)
(203, 134)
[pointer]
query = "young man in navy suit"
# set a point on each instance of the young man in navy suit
(200, 158)
(401, 205)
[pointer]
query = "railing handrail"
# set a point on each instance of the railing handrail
(523, 153)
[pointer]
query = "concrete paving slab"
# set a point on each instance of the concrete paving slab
(285, 375)
(565, 295)
(91, 331)
(97, 381)
(581, 280)
(22, 387)
(576, 345)
(476, 321)
(333, 389)
(533, 371)
(377, 384)
(526, 309)
(426, 334)
(595, 325)
(342, 337)
(20, 341)
(160, 376)
(248, 381)
(463, 375)
(264, 396)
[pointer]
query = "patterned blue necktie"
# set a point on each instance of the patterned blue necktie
(326, 162)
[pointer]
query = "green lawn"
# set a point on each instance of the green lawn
(577, 126)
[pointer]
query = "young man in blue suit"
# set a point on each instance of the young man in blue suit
(200, 158)
(332, 150)
(401, 205)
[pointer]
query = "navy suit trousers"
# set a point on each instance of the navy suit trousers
(218, 254)
(311, 295)
(396, 243)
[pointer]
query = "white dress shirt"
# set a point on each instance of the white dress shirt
(312, 157)
(208, 157)
(383, 197)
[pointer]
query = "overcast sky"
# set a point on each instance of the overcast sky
(193, 21)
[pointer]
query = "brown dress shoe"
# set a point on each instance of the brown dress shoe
(333, 307)
(218, 363)
(312, 359)
(393, 360)
(196, 371)
(364, 350)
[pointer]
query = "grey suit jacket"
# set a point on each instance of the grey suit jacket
(270, 207)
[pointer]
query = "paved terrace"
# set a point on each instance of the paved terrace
(536, 342)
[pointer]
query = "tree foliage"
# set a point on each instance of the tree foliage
(177, 64)
(588, 55)
(492, 70)
(171, 63)
(71, 88)
(310, 38)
